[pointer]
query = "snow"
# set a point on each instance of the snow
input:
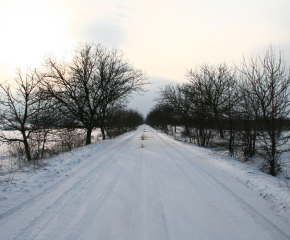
(275, 189)
(144, 185)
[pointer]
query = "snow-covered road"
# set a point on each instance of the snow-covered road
(144, 186)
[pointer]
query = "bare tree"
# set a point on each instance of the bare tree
(212, 83)
(232, 99)
(86, 86)
(122, 120)
(175, 98)
(160, 116)
(249, 115)
(199, 112)
(21, 108)
(269, 81)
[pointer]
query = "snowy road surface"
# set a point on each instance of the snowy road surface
(144, 186)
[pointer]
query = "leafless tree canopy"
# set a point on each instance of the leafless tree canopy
(95, 79)
(267, 87)
(21, 108)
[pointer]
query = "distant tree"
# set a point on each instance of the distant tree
(160, 116)
(22, 109)
(120, 120)
(85, 87)
(213, 96)
(201, 119)
(133, 118)
(249, 116)
(212, 83)
(109, 117)
(174, 97)
(115, 120)
(231, 110)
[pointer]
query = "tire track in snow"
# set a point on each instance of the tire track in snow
(253, 212)
(161, 206)
(111, 149)
(98, 170)
(104, 204)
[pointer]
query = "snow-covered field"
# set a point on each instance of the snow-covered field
(57, 141)
(144, 185)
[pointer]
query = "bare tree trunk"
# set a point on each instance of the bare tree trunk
(27, 148)
(186, 128)
(43, 144)
(254, 137)
(219, 126)
(89, 136)
(103, 133)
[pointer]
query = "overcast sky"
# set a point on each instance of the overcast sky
(164, 38)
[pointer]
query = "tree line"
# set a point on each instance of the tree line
(91, 90)
(245, 109)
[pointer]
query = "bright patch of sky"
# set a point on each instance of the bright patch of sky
(163, 38)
